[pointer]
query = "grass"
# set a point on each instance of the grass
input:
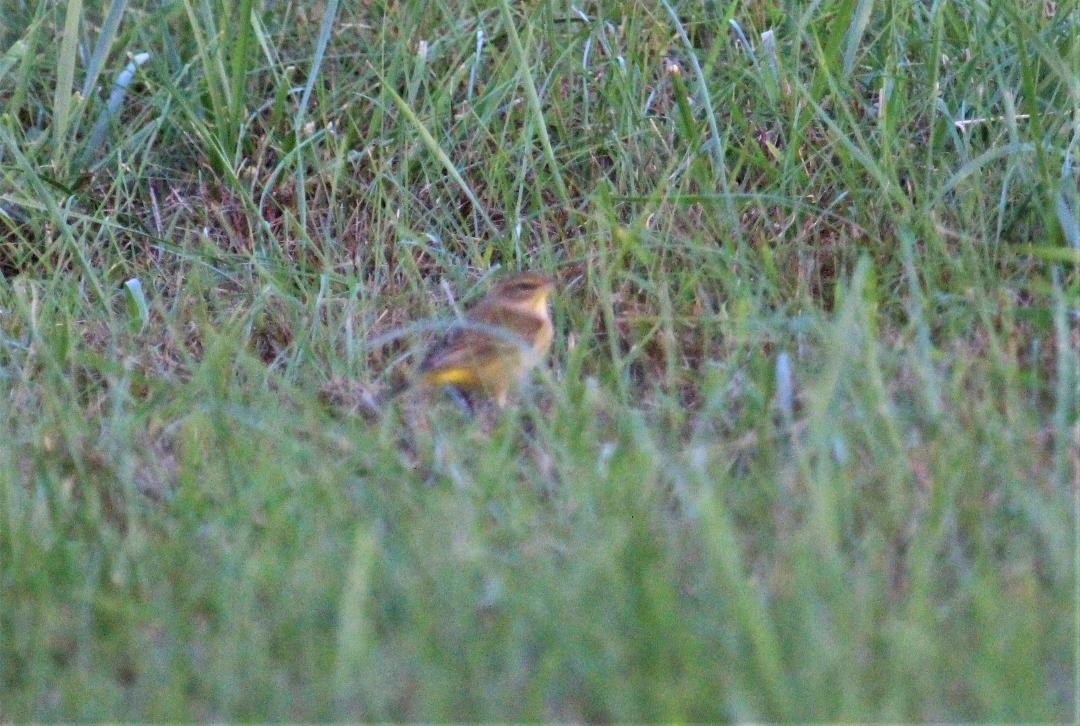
(806, 449)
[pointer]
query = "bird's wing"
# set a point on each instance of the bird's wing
(463, 347)
(512, 333)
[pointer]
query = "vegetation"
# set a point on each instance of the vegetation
(807, 446)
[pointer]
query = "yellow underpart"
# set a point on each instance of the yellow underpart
(458, 376)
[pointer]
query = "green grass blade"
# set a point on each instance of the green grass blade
(442, 157)
(65, 82)
(103, 45)
(536, 108)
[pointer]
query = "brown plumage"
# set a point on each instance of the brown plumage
(504, 336)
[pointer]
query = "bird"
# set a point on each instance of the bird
(501, 339)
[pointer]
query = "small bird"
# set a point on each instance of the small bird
(501, 339)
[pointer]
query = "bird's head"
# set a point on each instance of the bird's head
(524, 291)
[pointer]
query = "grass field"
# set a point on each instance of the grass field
(807, 446)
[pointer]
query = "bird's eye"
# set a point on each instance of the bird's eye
(523, 288)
